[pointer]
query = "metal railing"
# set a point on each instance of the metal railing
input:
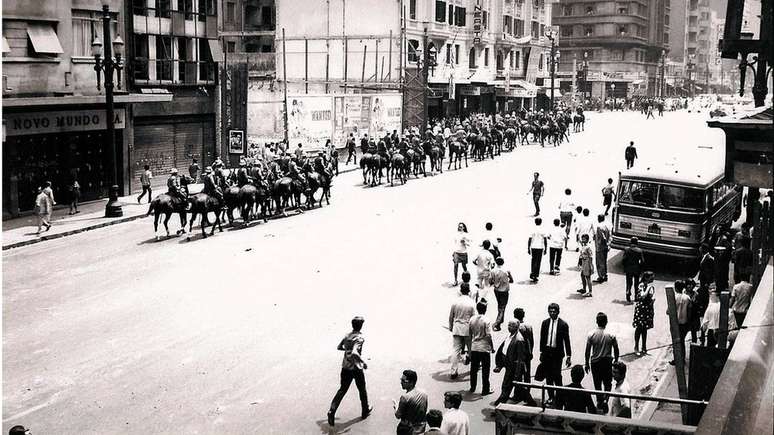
(660, 399)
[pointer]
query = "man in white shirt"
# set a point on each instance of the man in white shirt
(566, 206)
(740, 299)
(557, 240)
(620, 406)
(484, 262)
(537, 247)
(459, 324)
(683, 304)
(455, 421)
(585, 226)
(711, 320)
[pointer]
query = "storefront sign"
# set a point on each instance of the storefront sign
(477, 24)
(19, 124)
(472, 91)
(604, 76)
(516, 92)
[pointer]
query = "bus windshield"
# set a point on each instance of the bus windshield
(681, 198)
(661, 196)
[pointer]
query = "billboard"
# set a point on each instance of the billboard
(313, 119)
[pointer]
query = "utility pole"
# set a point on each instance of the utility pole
(425, 65)
(285, 88)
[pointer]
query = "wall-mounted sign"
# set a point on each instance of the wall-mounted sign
(477, 20)
(19, 124)
(236, 142)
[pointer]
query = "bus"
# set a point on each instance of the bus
(673, 210)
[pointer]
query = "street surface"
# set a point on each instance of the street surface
(109, 331)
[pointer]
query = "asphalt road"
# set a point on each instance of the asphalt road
(110, 331)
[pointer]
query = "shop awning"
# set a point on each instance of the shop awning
(215, 50)
(44, 39)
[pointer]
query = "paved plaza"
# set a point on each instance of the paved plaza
(109, 331)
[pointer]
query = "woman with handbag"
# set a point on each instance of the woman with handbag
(643, 313)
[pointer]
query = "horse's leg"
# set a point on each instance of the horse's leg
(156, 224)
(183, 222)
(204, 223)
(166, 221)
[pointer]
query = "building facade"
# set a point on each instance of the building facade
(622, 43)
(174, 50)
(54, 126)
(490, 55)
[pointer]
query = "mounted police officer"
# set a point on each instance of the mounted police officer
(211, 187)
(241, 175)
(173, 185)
(320, 165)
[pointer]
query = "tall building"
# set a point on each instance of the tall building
(622, 43)
(491, 54)
(677, 30)
(699, 46)
(54, 119)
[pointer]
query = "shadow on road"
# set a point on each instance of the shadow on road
(339, 428)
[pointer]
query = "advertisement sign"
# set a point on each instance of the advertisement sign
(386, 113)
(310, 121)
(236, 142)
(477, 24)
(19, 124)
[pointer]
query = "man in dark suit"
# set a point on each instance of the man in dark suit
(512, 355)
(633, 261)
(630, 154)
(529, 336)
(554, 345)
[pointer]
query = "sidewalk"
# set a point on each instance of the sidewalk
(21, 231)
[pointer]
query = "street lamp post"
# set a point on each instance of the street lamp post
(690, 66)
(586, 74)
(663, 68)
(612, 91)
(551, 34)
(109, 65)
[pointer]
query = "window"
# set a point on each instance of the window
(43, 41)
(267, 16)
(87, 25)
(642, 10)
(448, 54)
(507, 24)
(413, 9)
(230, 12)
(206, 67)
(185, 74)
(591, 9)
(486, 57)
(140, 58)
(460, 17)
(499, 60)
(622, 30)
(588, 30)
(187, 6)
(540, 62)
(457, 54)
(567, 10)
(472, 58)
(140, 7)
(440, 11)
(162, 8)
(566, 31)
(513, 62)
(623, 10)
(485, 20)
(164, 57)
(617, 54)
(535, 30)
(231, 46)
(518, 28)
(413, 46)
(450, 16)
(640, 193)
(680, 198)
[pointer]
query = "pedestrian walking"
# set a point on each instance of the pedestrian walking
(602, 241)
(537, 246)
(411, 408)
(352, 369)
(566, 207)
(584, 225)
(723, 256)
(490, 235)
(557, 241)
(43, 209)
(710, 322)
(351, 154)
(193, 170)
(537, 190)
(601, 352)
(484, 262)
(501, 281)
(554, 347)
(299, 152)
(706, 277)
(145, 181)
(633, 262)
(743, 260)
(455, 420)
(620, 406)
(481, 349)
(630, 154)
(434, 419)
(586, 264)
(649, 112)
(460, 313)
(694, 322)
(364, 142)
(576, 401)
(526, 331)
(75, 195)
(512, 355)
(608, 195)
(643, 313)
(460, 254)
(741, 296)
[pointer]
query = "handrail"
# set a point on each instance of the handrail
(543, 388)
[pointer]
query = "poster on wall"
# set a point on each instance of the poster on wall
(236, 142)
(310, 121)
(385, 114)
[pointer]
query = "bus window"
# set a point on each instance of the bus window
(636, 192)
(681, 198)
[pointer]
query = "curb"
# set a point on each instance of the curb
(96, 226)
(649, 408)
(72, 232)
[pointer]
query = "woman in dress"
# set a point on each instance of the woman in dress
(586, 262)
(460, 254)
(643, 313)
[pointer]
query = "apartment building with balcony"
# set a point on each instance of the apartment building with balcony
(622, 41)
(173, 49)
(54, 119)
(490, 53)
(698, 44)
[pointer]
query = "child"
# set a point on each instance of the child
(586, 263)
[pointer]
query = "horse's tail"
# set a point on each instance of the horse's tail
(152, 206)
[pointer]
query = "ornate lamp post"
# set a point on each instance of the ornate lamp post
(586, 74)
(690, 66)
(551, 34)
(108, 65)
(663, 67)
(612, 91)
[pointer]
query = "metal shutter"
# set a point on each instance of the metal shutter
(188, 144)
(154, 146)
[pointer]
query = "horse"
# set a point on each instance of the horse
(578, 122)
(318, 180)
(510, 138)
(253, 196)
(167, 204)
(457, 150)
(376, 164)
(286, 190)
(365, 165)
(232, 201)
(397, 165)
(202, 204)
